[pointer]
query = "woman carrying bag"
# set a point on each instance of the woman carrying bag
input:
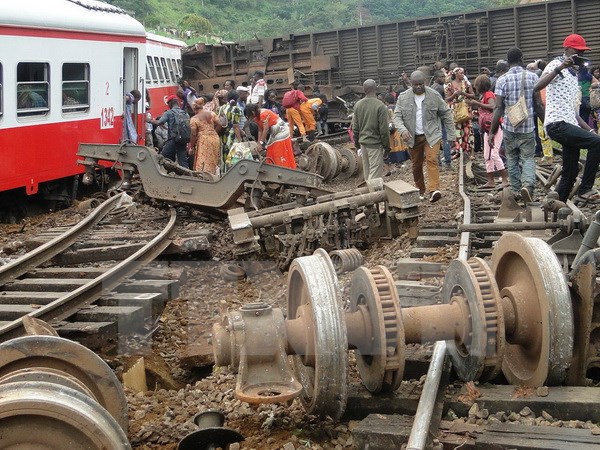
(458, 90)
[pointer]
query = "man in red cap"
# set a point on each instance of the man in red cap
(174, 148)
(563, 124)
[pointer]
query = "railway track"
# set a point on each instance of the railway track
(61, 281)
(512, 319)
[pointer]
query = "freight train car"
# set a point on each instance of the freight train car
(338, 61)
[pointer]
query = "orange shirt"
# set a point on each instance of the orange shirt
(266, 115)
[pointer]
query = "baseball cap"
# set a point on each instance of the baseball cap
(575, 41)
(171, 97)
(243, 89)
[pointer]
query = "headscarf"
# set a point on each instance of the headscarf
(215, 104)
(198, 103)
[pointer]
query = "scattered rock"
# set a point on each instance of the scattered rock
(526, 412)
(542, 391)
(547, 416)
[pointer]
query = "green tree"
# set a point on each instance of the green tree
(196, 23)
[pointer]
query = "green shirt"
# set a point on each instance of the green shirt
(370, 123)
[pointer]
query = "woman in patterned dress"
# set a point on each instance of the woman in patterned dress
(205, 140)
(457, 91)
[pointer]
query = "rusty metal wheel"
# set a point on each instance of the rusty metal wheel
(382, 368)
(51, 354)
(350, 163)
(461, 286)
(41, 415)
(313, 294)
(494, 318)
(537, 311)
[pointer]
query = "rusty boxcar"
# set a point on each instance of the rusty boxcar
(338, 61)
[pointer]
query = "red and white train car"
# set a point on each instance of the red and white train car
(64, 70)
(163, 70)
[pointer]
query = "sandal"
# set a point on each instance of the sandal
(591, 196)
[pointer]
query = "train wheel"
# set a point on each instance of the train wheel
(382, 367)
(537, 311)
(313, 295)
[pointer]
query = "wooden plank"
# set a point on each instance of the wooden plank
(169, 273)
(361, 402)
(413, 293)
(436, 241)
(167, 288)
(126, 317)
(28, 297)
(420, 252)
(382, 432)
(13, 312)
(520, 437)
(416, 269)
(94, 335)
(67, 272)
(97, 254)
(45, 284)
(154, 302)
(135, 377)
(438, 232)
(562, 402)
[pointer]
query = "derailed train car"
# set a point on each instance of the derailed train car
(338, 61)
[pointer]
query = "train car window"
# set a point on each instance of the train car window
(75, 87)
(153, 76)
(163, 64)
(161, 76)
(33, 89)
(179, 70)
(171, 71)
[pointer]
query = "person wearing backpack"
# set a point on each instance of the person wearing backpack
(292, 100)
(180, 132)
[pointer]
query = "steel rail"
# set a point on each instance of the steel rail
(422, 421)
(63, 307)
(418, 440)
(52, 248)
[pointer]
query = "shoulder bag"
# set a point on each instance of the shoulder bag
(517, 113)
(595, 98)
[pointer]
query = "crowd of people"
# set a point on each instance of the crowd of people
(220, 123)
(510, 115)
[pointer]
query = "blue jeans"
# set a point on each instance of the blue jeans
(446, 146)
(520, 152)
(572, 139)
(172, 149)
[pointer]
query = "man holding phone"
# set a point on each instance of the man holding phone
(563, 123)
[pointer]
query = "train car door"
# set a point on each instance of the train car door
(130, 81)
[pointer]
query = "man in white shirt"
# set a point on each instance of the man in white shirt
(418, 118)
(563, 124)
(259, 87)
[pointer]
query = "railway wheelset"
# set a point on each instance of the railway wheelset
(513, 316)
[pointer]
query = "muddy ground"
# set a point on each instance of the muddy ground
(160, 417)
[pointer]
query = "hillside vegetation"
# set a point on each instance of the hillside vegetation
(243, 19)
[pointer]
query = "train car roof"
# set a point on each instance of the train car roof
(89, 16)
(164, 40)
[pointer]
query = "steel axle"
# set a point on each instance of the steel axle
(502, 319)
